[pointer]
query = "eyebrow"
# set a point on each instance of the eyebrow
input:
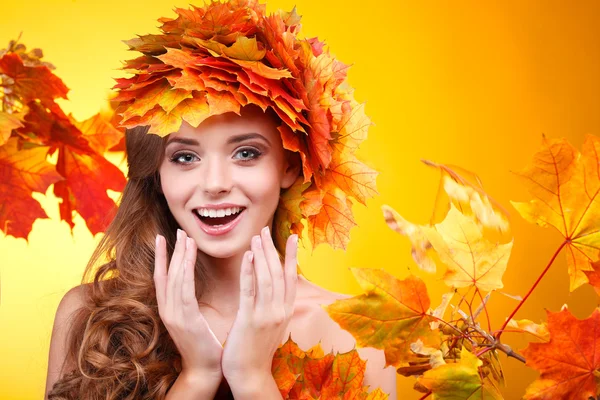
(233, 139)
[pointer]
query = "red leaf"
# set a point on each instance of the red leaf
(21, 173)
(570, 362)
(88, 177)
(31, 83)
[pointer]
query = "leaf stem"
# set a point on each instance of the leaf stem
(501, 330)
(426, 395)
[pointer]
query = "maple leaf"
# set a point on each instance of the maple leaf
(87, 178)
(8, 122)
(470, 258)
(315, 375)
(566, 187)
(465, 190)
(334, 220)
(460, 380)
(32, 82)
(594, 276)
(22, 171)
(540, 331)
(99, 132)
(458, 192)
(288, 216)
(421, 246)
(391, 315)
(569, 364)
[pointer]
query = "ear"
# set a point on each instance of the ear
(293, 167)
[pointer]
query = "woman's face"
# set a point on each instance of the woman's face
(230, 162)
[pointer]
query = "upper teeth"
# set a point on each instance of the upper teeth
(207, 212)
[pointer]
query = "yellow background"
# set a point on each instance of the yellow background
(468, 83)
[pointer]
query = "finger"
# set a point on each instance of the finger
(247, 283)
(175, 276)
(275, 268)
(160, 270)
(188, 285)
(291, 271)
(264, 286)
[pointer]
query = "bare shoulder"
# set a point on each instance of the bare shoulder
(72, 302)
(312, 324)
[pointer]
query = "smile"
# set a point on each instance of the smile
(218, 225)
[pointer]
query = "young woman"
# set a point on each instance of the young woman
(196, 295)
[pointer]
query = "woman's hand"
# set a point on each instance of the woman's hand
(267, 295)
(178, 308)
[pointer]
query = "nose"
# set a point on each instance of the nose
(216, 176)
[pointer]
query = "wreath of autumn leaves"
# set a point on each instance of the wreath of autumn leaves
(222, 56)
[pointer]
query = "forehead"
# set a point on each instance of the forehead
(229, 126)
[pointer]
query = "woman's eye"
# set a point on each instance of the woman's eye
(248, 154)
(183, 158)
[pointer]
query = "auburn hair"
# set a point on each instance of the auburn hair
(117, 342)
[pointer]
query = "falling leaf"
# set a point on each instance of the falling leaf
(391, 315)
(465, 190)
(421, 246)
(471, 259)
(569, 363)
(566, 187)
(460, 380)
(21, 173)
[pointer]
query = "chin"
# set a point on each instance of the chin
(221, 250)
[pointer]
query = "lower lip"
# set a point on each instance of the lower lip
(220, 229)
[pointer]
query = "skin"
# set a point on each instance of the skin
(253, 305)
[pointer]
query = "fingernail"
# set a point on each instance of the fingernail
(188, 242)
(295, 239)
(157, 239)
(257, 242)
(250, 256)
(266, 230)
(179, 232)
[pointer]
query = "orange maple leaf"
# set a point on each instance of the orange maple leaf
(391, 315)
(570, 362)
(22, 171)
(312, 374)
(566, 187)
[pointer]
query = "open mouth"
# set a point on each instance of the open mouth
(218, 221)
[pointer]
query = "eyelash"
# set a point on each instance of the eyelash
(174, 158)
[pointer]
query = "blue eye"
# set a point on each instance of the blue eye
(255, 154)
(183, 158)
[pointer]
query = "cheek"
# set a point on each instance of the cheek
(175, 188)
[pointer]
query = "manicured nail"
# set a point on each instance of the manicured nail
(266, 230)
(188, 243)
(157, 239)
(179, 234)
(250, 256)
(257, 242)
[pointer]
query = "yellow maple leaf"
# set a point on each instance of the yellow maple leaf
(566, 187)
(471, 258)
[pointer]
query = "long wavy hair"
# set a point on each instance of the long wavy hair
(117, 342)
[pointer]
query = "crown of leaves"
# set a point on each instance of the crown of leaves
(219, 57)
